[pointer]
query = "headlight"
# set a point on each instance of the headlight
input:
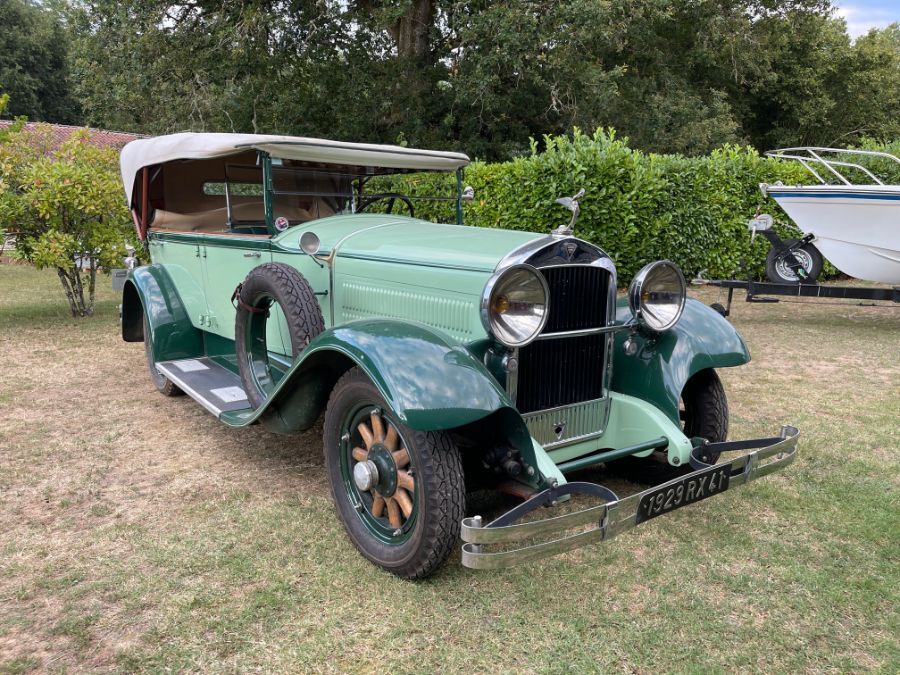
(657, 295)
(514, 305)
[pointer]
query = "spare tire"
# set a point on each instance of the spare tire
(268, 285)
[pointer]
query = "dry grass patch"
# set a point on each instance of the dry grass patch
(139, 534)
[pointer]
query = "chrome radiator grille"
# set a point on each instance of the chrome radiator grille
(577, 297)
(562, 370)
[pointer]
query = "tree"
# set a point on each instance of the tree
(66, 208)
(869, 90)
(34, 62)
(486, 75)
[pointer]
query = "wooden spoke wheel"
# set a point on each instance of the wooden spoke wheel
(399, 491)
(383, 478)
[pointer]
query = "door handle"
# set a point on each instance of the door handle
(252, 254)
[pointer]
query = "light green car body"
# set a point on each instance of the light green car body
(401, 299)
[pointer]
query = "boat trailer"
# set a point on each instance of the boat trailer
(759, 291)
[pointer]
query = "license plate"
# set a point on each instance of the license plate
(118, 279)
(688, 490)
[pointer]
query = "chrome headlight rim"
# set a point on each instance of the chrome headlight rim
(636, 291)
(488, 293)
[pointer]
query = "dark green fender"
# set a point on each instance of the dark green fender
(428, 381)
(172, 333)
(664, 363)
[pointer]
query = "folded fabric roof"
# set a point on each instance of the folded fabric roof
(160, 149)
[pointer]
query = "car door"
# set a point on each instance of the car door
(181, 257)
(227, 261)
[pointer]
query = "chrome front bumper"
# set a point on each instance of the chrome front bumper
(615, 515)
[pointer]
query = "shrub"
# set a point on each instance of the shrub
(637, 207)
(65, 207)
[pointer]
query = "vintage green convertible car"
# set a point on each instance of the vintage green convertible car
(445, 358)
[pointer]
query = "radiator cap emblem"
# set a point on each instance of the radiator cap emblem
(570, 203)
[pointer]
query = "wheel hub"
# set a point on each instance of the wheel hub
(784, 269)
(365, 475)
(385, 469)
(381, 474)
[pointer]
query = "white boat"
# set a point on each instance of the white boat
(856, 226)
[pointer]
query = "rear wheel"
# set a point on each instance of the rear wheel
(399, 492)
(778, 270)
(163, 384)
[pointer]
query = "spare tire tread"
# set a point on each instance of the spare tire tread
(297, 300)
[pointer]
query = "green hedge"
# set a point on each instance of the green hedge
(637, 207)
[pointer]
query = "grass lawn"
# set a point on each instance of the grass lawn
(137, 533)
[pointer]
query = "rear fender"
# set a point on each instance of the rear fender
(664, 362)
(173, 336)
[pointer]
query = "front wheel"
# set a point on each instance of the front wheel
(399, 492)
(704, 411)
(779, 271)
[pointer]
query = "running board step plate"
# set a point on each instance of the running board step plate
(213, 386)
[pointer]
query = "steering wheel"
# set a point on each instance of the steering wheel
(392, 197)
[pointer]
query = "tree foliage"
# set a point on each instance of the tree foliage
(65, 207)
(675, 76)
(34, 56)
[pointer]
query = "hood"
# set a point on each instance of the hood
(408, 240)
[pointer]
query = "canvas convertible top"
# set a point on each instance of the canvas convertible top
(161, 149)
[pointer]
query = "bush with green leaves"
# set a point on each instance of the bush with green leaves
(65, 206)
(638, 207)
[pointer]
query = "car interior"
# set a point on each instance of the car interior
(225, 195)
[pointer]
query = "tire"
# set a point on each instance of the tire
(268, 284)
(411, 539)
(778, 271)
(163, 384)
(704, 414)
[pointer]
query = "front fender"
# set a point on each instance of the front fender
(430, 382)
(150, 289)
(664, 363)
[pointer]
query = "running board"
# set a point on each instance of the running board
(213, 386)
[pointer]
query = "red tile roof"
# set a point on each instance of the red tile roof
(100, 137)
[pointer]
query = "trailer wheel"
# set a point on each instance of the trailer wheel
(779, 271)
(399, 492)
(163, 384)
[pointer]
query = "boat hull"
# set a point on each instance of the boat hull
(857, 228)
